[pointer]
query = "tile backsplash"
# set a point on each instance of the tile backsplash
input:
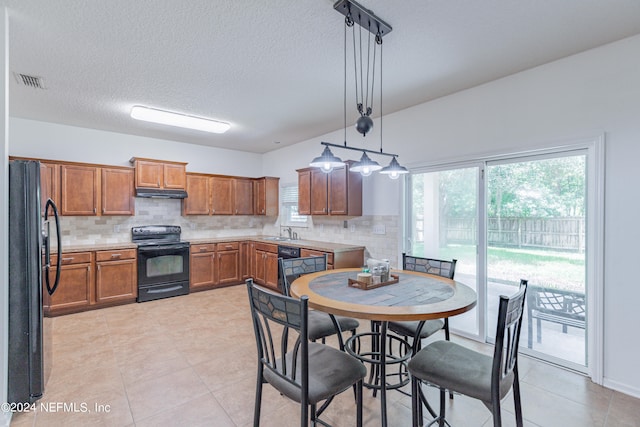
(379, 234)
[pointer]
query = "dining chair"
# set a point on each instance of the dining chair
(451, 366)
(321, 324)
(427, 328)
(415, 331)
(304, 371)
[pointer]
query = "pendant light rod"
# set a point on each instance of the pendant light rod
(363, 17)
(364, 150)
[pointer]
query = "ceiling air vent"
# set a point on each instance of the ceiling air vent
(30, 81)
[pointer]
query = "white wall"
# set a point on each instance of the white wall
(585, 95)
(42, 140)
(4, 208)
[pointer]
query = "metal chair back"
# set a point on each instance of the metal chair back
(435, 266)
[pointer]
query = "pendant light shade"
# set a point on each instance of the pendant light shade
(326, 161)
(365, 165)
(394, 170)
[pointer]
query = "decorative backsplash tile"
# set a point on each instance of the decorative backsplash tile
(362, 231)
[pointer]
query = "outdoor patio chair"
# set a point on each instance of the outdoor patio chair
(450, 366)
(321, 324)
(306, 372)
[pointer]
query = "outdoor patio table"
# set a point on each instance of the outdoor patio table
(416, 296)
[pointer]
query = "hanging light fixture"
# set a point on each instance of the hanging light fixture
(365, 166)
(364, 72)
(394, 170)
(326, 161)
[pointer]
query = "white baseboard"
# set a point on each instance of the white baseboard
(621, 387)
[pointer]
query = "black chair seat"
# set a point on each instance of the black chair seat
(457, 368)
(331, 372)
(409, 329)
(321, 325)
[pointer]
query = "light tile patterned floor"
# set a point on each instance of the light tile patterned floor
(190, 361)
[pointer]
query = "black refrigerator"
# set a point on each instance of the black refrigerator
(28, 251)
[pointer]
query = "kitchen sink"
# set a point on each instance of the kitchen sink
(278, 239)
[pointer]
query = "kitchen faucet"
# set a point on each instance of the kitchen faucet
(288, 230)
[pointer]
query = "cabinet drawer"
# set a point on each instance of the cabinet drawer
(205, 247)
(115, 255)
(228, 246)
(266, 247)
(309, 252)
(72, 258)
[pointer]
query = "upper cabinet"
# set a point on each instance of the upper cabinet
(117, 191)
(159, 174)
(230, 195)
(336, 193)
(49, 184)
(80, 187)
(87, 190)
(265, 196)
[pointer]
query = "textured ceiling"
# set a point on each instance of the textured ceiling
(274, 69)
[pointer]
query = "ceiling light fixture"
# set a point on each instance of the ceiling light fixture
(180, 120)
(364, 71)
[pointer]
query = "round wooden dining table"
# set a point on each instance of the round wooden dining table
(416, 296)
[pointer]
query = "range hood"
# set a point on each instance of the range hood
(157, 193)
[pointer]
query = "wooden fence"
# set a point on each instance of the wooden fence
(565, 234)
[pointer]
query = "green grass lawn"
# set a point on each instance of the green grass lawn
(564, 270)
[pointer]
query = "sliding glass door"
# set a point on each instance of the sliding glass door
(509, 219)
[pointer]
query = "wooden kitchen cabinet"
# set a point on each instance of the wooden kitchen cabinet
(49, 184)
(199, 191)
(222, 195)
(202, 267)
(228, 263)
(265, 196)
(246, 256)
(336, 193)
(75, 289)
(304, 192)
(152, 173)
(79, 190)
(242, 196)
(117, 191)
(116, 276)
(265, 265)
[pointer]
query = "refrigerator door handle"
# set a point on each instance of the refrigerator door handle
(52, 289)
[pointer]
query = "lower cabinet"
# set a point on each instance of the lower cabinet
(201, 268)
(90, 280)
(265, 265)
(213, 265)
(116, 276)
(74, 291)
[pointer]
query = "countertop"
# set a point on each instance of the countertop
(299, 243)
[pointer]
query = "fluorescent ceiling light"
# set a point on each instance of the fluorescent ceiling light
(176, 119)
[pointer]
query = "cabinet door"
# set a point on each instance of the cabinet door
(74, 290)
(245, 260)
(201, 270)
(304, 192)
(221, 196)
(116, 281)
(318, 192)
(259, 266)
(199, 191)
(259, 199)
(79, 190)
(149, 174)
(228, 262)
(49, 184)
(243, 196)
(117, 192)
(271, 270)
(337, 195)
(174, 176)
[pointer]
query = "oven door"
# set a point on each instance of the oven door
(162, 264)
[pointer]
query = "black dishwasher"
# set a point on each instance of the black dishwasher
(285, 252)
